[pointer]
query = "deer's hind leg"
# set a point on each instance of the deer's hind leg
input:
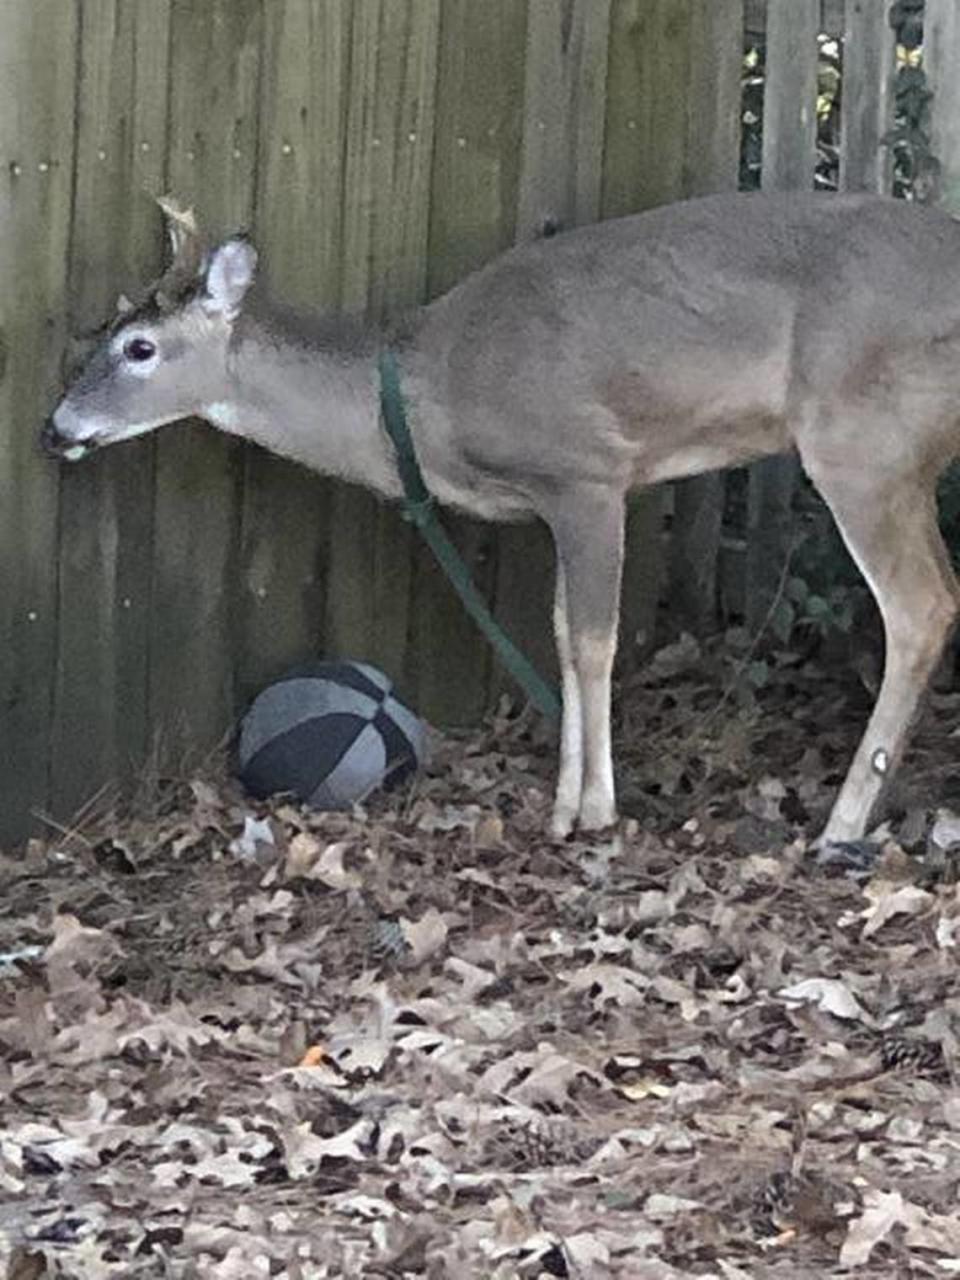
(889, 524)
(588, 534)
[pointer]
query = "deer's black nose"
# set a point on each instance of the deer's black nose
(51, 441)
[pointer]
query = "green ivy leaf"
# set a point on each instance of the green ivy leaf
(784, 616)
(758, 674)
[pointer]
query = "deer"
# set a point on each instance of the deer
(571, 370)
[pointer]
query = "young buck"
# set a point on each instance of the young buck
(571, 370)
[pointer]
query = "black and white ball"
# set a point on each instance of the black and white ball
(330, 733)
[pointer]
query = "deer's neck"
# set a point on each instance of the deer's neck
(306, 398)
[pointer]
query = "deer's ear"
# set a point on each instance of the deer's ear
(229, 275)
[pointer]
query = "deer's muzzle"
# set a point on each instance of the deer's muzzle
(55, 445)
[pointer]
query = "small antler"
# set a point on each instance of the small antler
(187, 250)
(183, 232)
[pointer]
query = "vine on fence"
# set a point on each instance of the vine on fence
(915, 168)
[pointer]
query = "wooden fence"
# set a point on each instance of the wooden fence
(379, 150)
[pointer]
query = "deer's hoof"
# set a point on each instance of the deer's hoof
(561, 822)
(597, 814)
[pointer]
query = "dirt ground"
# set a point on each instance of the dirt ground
(421, 1040)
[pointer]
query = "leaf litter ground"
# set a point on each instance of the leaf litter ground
(244, 1041)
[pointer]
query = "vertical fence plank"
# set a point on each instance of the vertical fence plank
(646, 129)
(37, 83)
(285, 523)
(473, 207)
(868, 65)
(563, 114)
(559, 184)
(789, 143)
(644, 157)
(106, 507)
(389, 143)
(942, 58)
(214, 60)
(790, 95)
(390, 123)
(673, 131)
(712, 164)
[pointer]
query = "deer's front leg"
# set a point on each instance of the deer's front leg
(570, 779)
(589, 539)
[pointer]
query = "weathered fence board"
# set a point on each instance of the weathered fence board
(868, 65)
(789, 157)
(37, 67)
(558, 186)
(212, 165)
(389, 141)
(563, 114)
(299, 222)
(643, 163)
(672, 130)
(106, 508)
(942, 46)
(472, 216)
(712, 154)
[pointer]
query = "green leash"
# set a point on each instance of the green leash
(420, 510)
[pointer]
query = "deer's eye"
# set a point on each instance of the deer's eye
(139, 349)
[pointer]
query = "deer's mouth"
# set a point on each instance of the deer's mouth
(55, 445)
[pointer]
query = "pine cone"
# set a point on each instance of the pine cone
(908, 1054)
(804, 1202)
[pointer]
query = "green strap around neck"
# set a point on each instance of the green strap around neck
(419, 509)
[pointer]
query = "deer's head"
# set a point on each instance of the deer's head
(164, 357)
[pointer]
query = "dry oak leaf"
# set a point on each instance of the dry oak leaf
(885, 1210)
(426, 935)
(888, 900)
(608, 982)
(305, 1151)
(828, 994)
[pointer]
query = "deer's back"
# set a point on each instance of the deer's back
(686, 337)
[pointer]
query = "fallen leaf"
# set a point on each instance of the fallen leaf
(888, 900)
(426, 935)
(828, 994)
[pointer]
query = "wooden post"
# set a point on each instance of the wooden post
(868, 64)
(941, 43)
(789, 156)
